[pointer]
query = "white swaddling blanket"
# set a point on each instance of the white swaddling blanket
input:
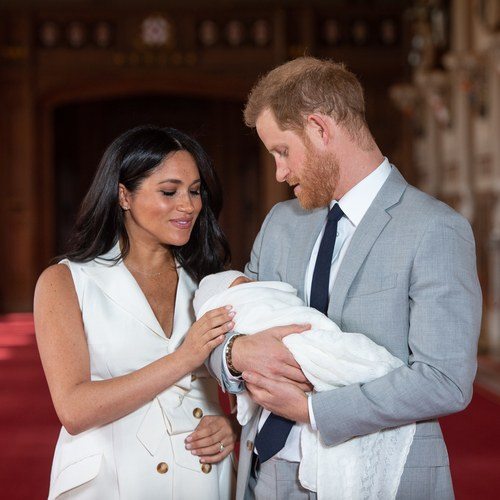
(365, 467)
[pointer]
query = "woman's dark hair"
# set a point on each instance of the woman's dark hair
(130, 159)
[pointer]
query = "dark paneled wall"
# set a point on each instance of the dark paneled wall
(73, 75)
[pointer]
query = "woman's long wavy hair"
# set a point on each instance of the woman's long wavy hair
(130, 159)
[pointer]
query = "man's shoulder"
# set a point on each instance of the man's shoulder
(427, 208)
(401, 197)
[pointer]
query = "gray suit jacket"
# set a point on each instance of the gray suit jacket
(408, 281)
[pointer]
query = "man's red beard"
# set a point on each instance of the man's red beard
(319, 179)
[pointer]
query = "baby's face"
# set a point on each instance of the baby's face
(240, 280)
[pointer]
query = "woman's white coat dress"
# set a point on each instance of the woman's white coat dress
(141, 455)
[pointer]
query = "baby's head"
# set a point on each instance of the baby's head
(240, 280)
(215, 283)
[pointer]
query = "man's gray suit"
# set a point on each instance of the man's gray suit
(408, 281)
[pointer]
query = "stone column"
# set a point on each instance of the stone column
(459, 62)
(431, 86)
(493, 305)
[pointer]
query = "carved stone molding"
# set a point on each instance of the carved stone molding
(493, 314)
(489, 14)
(435, 88)
(406, 97)
(75, 34)
(493, 54)
(462, 61)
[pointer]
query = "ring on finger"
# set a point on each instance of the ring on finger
(221, 446)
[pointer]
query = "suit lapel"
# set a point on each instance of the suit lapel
(184, 315)
(306, 230)
(365, 236)
(120, 287)
(362, 241)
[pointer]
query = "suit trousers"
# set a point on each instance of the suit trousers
(426, 483)
(278, 480)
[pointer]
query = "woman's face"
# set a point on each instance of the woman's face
(166, 205)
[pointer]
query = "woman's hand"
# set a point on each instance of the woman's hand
(213, 439)
(205, 335)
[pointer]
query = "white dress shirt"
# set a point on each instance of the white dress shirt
(355, 203)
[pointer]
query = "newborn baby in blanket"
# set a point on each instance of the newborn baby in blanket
(364, 467)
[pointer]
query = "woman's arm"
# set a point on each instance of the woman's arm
(82, 404)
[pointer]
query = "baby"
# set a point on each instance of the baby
(329, 359)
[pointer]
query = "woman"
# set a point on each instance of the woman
(114, 326)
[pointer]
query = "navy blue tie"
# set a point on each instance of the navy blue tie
(274, 433)
(321, 277)
(272, 437)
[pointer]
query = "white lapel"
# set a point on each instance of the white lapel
(184, 315)
(118, 284)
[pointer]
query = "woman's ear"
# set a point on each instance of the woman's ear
(123, 197)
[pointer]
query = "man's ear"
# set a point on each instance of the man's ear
(319, 129)
(123, 197)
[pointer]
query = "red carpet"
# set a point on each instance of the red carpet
(29, 426)
(473, 439)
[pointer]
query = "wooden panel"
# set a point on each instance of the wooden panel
(60, 97)
(216, 124)
(17, 166)
(18, 196)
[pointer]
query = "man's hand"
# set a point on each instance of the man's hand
(265, 353)
(282, 398)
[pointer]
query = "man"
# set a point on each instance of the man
(380, 258)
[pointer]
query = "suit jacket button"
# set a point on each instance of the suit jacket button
(162, 467)
(197, 413)
(249, 445)
(206, 468)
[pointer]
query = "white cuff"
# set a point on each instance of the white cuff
(311, 413)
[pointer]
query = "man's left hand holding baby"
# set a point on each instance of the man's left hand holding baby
(278, 396)
(265, 353)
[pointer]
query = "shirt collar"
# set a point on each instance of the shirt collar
(356, 202)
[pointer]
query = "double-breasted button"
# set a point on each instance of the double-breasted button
(193, 377)
(206, 468)
(162, 467)
(250, 445)
(197, 413)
